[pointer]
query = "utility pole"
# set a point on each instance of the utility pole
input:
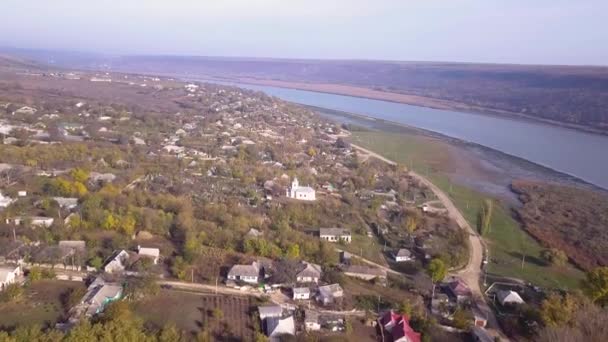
(192, 274)
(523, 260)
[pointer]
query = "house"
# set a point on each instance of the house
(332, 322)
(459, 290)
(311, 321)
(254, 233)
(34, 221)
(303, 193)
(394, 327)
(117, 262)
(5, 201)
(66, 202)
(480, 319)
(245, 273)
(329, 293)
(301, 293)
(345, 257)
(152, 253)
(364, 272)
(509, 298)
(72, 247)
(290, 272)
(8, 275)
(270, 311)
(402, 255)
(97, 177)
(99, 294)
(335, 234)
(310, 274)
(21, 193)
(276, 327)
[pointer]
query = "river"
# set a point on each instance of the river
(576, 153)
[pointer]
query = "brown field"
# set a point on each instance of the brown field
(193, 312)
(567, 218)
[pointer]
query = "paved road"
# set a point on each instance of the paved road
(472, 272)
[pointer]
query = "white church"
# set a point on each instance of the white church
(303, 193)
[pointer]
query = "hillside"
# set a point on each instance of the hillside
(567, 218)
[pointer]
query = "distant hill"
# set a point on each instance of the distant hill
(563, 94)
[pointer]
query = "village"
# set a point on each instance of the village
(228, 193)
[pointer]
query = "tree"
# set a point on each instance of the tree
(554, 256)
(169, 334)
(437, 270)
(35, 274)
(462, 319)
(411, 223)
(178, 268)
(95, 262)
(312, 152)
(79, 175)
(293, 252)
(595, 285)
(484, 219)
(556, 310)
(406, 308)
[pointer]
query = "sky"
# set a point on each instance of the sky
(493, 31)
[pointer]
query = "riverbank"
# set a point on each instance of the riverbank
(481, 168)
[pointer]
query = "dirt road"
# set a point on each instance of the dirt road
(472, 272)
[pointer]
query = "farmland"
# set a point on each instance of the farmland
(41, 305)
(221, 316)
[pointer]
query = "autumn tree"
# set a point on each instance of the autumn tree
(595, 285)
(554, 256)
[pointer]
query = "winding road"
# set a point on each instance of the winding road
(472, 272)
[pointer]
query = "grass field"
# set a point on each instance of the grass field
(507, 241)
(41, 305)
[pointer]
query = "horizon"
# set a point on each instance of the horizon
(464, 31)
(15, 52)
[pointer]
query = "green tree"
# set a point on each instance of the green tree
(178, 268)
(406, 308)
(485, 217)
(35, 274)
(12, 293)
(437, 270)
(595, 285)
(95, 262)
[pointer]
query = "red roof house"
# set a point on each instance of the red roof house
(396, 328)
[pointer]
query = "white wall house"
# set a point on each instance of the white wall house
(301, 293)
(152, 253)
(245, 273)
(303, 193)
(403, 255)
(35, 221)
(8, 275)
(335, 234)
